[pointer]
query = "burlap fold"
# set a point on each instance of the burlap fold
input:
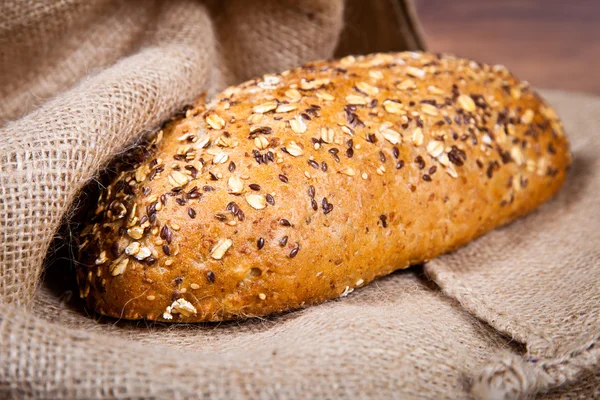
(514, 314)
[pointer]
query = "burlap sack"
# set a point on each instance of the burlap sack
(514, 314)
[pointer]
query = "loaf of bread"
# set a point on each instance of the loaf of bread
(303, 186)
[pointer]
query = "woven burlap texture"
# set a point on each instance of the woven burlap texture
(512, 315)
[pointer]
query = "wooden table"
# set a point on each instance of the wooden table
(550, 43)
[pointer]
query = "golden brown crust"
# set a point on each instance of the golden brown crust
(314, 182)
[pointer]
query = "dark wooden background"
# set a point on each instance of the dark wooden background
(550, 43)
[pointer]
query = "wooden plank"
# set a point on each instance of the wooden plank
(550, 43)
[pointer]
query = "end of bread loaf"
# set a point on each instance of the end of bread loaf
(299, 187)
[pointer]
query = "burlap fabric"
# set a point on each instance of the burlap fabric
(515, 314)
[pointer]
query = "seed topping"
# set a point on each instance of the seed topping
(215, 121)
(393, 107)
(417, 137)
(466, 103)
(235, 184)
(294, 150)
(256, 201)
(265, 107)
(298, 125)
(368, 89)
(221, 248)
(391, 136)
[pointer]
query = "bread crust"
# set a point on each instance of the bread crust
(295, 188)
